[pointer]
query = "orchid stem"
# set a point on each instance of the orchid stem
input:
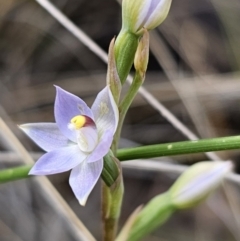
(14, 173)
(125, 104)
(150, 151)
(180, 148)
(111, 207)
(124, 51)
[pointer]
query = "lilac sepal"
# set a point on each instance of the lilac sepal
(46, 135)
(83, 178)
(66, 107)
(57, 161)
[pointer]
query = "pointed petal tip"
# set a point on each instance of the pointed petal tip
(25, 128)
(58, 88)
(83, 179)
(33, 171)
(82, 202)
(22, 126)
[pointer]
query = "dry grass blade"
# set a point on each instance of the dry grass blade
(4, 229)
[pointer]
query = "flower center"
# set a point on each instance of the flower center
(79, 121)
(86, 131)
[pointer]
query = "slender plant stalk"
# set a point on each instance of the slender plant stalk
(109, 223)
(124, 51)
(15, 173)
(111, 207)
(108, 227)
(125, 104)
(151, 151)
(180, 148)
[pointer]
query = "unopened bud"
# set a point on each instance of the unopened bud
(111, 170)
(142, 53)
(138, 14)
(197, 182)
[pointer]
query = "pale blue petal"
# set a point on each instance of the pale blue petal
(102, 148)
(66, 107)
(157, 13)
(46, 135)
(57, 161)
(143, 12)
(83, 178)
(105, 111)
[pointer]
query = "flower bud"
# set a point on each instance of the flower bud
(111, 170)
(142, 53)
(197, 182)
(138, 14)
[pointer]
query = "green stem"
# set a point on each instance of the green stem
(180, 148)
(14, 173)
(125, 104)
(151, 151)
(111, 207)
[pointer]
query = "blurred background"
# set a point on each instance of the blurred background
(193, 70)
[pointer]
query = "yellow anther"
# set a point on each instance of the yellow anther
(78, 121)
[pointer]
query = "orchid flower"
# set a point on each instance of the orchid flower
(79, 139)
